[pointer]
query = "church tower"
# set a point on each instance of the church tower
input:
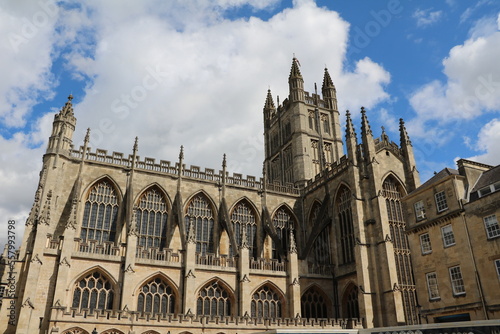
(63, 127)
(302, 136)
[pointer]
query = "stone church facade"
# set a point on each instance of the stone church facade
(125, 244)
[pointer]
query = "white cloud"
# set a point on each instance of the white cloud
(488, 139)
(472, 85)
(426, 17)
(175, 73)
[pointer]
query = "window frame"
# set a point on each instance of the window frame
(420, 210)
(433, 295)
(456, 280)
(491, 233)
(428, 241)
(441, 201)
(444, 236)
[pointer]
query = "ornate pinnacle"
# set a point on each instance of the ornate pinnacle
(87, 136)
(295, 71)
(269, 101)
(191, 233)
(365, 125)
(68, 107)
(136, 146)
(293, 245)
(224, 165)
(405, 139)
(327, 80)
(244, 239)
(181, 154)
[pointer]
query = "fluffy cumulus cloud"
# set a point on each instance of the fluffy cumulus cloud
(488, 139)
(172, 73)
(471, 88)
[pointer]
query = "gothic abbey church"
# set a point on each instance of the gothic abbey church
(127, 245)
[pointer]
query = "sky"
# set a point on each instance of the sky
(196, 73)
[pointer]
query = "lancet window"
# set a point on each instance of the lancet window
(343, 205)
(213, 300)
(283, 223)
(201, 214)
(93, 292)
(321, 252)
(156, 296)
(351, 304)
(100, 213)
(266, 303)
(151, 216)
(392, 192)
(243, 217)
(313, 304)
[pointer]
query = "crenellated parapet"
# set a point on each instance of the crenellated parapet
(140, 322)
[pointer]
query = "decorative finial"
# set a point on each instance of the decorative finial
(70, 97)
(181, 153)
(224, 165)
(293, 245)
(191, 233)
(136, 144)
(87, 136)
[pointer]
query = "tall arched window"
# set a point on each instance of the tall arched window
(350, 304)
(100, 213)
(320, 252)
(393, 192)
(266, 303)
(343, 205)
(213, 300)
(313, 304)
(93, 292)
(201, 213)
(283, 223)
(156, 296)
(151, 215)
(243, 217)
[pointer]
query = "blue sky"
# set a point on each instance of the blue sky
(196, 73)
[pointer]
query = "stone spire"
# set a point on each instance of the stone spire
(296, 83)
(329, 92)
(67, 110)
(351, 139)
(367, 138)
(411, 172)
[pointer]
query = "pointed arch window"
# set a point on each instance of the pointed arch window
(313, 304)
(283, 223)
(93, 292)
(100, 213)
(266, 303)
(157, 297)
(351, 305)
(343, 205)
(151, 215)
(243, 217)
(321, 252)
(392, 191)
(201, 213)
(213, 300)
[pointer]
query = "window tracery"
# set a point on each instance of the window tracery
(213, 300)
(392, 192)
(156, 296)
(201, 213)
(283, 223)
(243, 217)
(100, 213)
(313, 304)
(151, 216)
(266, 303)
(93, 292)
(343, 205)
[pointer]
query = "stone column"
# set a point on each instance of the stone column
(189, 298)
(245, 297)
(293, 279)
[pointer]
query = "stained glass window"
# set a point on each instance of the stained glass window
(93, 292)
(151, 216)
(156, 296)
(200, 212)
